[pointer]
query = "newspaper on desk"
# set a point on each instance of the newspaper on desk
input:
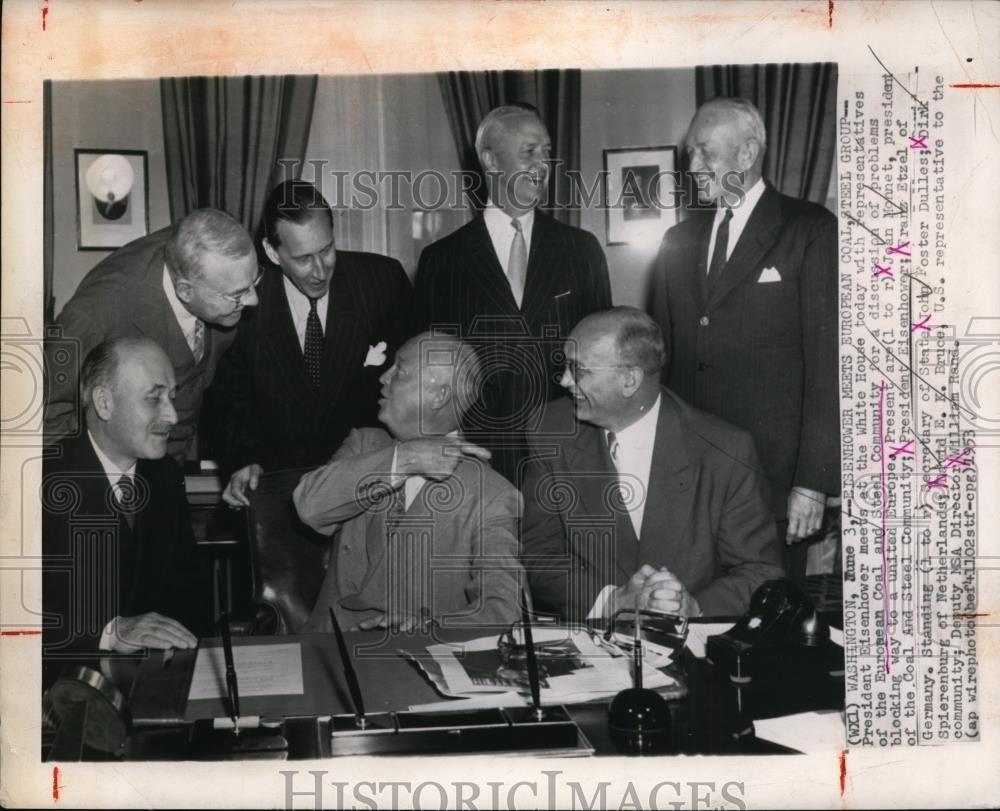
(574, 666)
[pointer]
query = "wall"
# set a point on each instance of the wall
(100, 115)
(630, 108)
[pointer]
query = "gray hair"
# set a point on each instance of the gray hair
(464, 364)
(638, 338)
(100, 367)
(205, 231)
(498, 118)
(746, 115)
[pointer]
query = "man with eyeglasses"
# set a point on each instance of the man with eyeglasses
(184, 287)
(634, 499)
(305, 366)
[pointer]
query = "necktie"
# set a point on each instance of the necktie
(314, 344)
(721, 249)
(125, 492)
(198, 341)
(517, 262)
(613, 447)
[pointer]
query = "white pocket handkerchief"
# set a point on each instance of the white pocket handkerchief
(376, 354)
(769, 275)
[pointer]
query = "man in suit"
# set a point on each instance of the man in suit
(185, 288)
(120, 566)
(638, 500)
(305, 365)
(424, 530)
(514, 281)
(747, 296)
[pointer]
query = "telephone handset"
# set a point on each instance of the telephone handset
(780, 629)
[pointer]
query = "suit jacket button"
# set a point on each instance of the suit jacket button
(703, 320)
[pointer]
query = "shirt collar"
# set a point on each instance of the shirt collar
(111, 470)
(751, 197)
(639, 432)
(298, 301)
(187, 320)
(496, 217)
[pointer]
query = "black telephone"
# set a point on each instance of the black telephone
(781, 630)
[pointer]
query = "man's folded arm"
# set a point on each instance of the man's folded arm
(354, 480)
(747, 541)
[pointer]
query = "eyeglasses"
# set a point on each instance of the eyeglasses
(236, 299)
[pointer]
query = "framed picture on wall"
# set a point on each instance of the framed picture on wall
(639, 193)
(112, 198)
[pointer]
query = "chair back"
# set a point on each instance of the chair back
(287, 558)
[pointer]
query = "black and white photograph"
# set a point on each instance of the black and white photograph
(352, 379)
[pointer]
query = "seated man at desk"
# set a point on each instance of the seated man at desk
(119, 569)
(424, 529)
(638, 500)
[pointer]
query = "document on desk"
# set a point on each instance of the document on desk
(262, 670)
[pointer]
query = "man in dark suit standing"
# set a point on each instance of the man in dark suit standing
(304, 368)
(120, 566)
(747, 297)
(184, 287)
(513, 282)
(638, 500)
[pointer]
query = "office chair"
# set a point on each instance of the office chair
(287, 559)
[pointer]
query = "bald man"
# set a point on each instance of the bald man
(746, 294)
(120, 568)
(423, 528)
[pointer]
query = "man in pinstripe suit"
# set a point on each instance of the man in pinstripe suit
(513, 282)
(305, 370)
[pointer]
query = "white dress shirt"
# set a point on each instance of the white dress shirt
(414, 483)
(298, 303)
(739, 221)
(114, 473)
(635, 460)
(502, 232)
(186, 320)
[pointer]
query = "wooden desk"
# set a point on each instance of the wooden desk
(715, 717)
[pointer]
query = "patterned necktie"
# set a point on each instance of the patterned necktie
(517, 263)
(721, 249)
(314, 344)
(126, 494)
(198, 341)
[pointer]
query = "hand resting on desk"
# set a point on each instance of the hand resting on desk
(657, 590)
(151, 630)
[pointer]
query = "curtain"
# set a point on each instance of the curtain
(798, 103)
(468, 97)
(224, 138)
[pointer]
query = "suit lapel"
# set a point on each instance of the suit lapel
(543, 262)
(696, 263)
(487, 270)
(760, 233)
(151, 308)
(669, 492)
(588, 454)
(341, 332)
(279, 331)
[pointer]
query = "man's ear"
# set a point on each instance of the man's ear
(270, 250)
(748, 153)
(488, 160)
(442, 396)
(183, 289)
(632, 380)
(103, 400)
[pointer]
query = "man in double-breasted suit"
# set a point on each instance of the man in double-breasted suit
(747, 297)
(184, 287)
(634, 499)
(304, 368)
(514, 282)
(120, 567)
(423, 529)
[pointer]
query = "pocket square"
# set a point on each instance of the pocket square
(376, 354)
(769, 275)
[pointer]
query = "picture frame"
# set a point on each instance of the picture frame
(112, 197)
(640, 185)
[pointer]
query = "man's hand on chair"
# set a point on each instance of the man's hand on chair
(235, 494)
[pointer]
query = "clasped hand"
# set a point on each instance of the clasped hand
(435, 458)
(655, 590)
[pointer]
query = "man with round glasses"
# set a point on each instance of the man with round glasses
(185, 287)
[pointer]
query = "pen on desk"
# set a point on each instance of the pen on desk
(352, 677)
(227, 648)
(532, 662)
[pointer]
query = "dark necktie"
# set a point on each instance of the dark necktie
(127, 500)
(721, 249)
(314, 345)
